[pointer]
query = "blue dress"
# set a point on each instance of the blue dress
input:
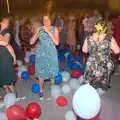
(46, 63)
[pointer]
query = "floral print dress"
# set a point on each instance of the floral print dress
(99, 65)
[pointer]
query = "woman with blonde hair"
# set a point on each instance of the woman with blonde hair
(46, 64)
(99, 64)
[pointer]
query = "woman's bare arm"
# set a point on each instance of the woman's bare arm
(55, 37)
(85, 47)
(114, 46)
(35, 37)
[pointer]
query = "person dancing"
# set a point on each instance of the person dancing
(99, 64)
(8, 58)
(46, 63)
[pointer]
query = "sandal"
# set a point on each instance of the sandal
(41, 95)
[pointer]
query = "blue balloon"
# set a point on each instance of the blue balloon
(61, 70)
(32, 59)
(35, 88)
(58, 80)
(25, 75)
(61, 57)
(70, 63)
(76, 66)
(82, 70)
(80, 59)
(67, 50)
(70, 57)
(84, 65)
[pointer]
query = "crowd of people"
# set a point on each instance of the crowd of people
(46, 34)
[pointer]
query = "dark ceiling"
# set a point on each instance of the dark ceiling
(59, 4)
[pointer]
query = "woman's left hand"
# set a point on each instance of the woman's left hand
(46, 29)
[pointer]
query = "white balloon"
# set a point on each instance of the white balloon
(100, 91)
(19, 62)
(86, 102)
(66, 88)
(81, 79)
(27, 54)
(26, 60)
(74, 84)
(19, 74)
(66, 55)
(10, 99)
(22, 68)
(65, 76)
(3, 116)
(56, 91)
(70, 116)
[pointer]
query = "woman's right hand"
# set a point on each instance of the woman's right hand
(14, 60)
(3, 43)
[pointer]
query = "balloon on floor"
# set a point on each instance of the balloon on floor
(74, 84)
(33, 110)
(76, 73)
(19, 62)
(61, 101)
(35, 88)
(3, 116)
(58, 79)
(86, 102)
(31, 69)
(25, 76)
(22, 68)
(70, 115)
(16, 112)
(56, 91)
(66, 88)
(65, 76)
(9, 99)
(32, 59)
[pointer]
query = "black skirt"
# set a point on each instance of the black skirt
(7, 73)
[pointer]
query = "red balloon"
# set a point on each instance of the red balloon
(31, 70)
(76, 54)
(61, 101)
(76, 73)
(97, 117)
(17, 77)
(16, 68)
(16, 112)
(33, 110)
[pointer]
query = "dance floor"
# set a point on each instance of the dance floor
(50, 111)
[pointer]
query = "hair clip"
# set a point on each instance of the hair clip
(99, 27)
